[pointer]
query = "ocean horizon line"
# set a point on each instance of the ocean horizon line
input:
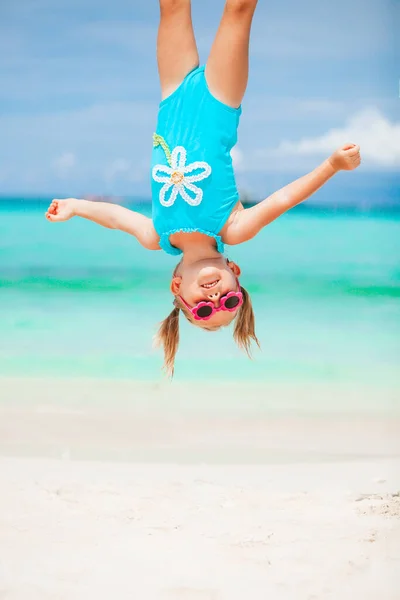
(38, 201)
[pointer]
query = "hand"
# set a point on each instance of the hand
(61, 210)
(346, 158)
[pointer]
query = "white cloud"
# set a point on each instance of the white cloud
(237, 158)
(64, 164)
(378, 138)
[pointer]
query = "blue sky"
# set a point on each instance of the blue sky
(79, 92)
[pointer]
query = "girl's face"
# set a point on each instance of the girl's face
(207, 280)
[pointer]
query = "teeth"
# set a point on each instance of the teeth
(210, 285)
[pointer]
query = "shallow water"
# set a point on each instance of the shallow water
(79, 300)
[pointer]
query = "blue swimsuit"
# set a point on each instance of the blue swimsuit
(193, 184)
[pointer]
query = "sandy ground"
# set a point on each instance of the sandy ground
(127, 501)
(78, 530)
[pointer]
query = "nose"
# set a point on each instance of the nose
(214, 297)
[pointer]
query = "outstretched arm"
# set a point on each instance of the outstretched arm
(108, 215)
(247, 223)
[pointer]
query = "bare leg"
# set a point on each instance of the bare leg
(176, 45)
(227, 68)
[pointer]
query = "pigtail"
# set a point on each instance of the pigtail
(168, 337)
(244, 332)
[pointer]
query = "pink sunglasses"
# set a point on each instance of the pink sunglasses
(205, 310)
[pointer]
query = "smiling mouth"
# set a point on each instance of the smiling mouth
(211, 284)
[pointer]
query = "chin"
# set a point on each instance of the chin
(210, 272)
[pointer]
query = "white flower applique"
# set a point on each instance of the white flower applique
(178, 178)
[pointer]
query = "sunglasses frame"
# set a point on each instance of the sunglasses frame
(215, 309)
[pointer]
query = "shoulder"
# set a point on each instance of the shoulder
(244, 225)
(150, 238)
(142, 228)
(231, 228)
(233, 217)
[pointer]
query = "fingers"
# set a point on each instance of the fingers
(355, 161)
(52, 217)
(351, 149)
(348, 146)
(53, 206)
(351, 154)
(52, 211)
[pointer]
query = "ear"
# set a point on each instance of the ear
(235, 268)
(175, 285)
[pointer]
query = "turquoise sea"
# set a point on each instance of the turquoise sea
(78, 300)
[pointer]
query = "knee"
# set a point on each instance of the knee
(173, 6)
(241, 6)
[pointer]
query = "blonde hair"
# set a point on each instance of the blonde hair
(243, 333)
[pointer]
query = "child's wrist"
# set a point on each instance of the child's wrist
(333, 164)
(76, 205)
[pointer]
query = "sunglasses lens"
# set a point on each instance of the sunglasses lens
(232, 301)
(204, 311)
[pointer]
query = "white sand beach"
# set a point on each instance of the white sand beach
(110, 499)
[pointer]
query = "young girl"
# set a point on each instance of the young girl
(196, 207)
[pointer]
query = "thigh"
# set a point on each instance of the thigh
(177, 53)
(227, 67)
